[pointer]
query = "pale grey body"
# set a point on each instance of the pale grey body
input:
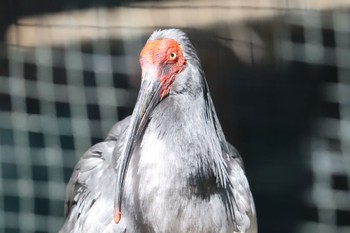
(183, 175)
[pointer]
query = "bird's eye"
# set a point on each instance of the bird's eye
(172, 56)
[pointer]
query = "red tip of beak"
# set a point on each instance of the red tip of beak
(117, 216)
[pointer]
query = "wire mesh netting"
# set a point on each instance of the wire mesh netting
(279, 73)
(323, 41)
(55, 105)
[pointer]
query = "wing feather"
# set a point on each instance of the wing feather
(90, 190)
(244, 208)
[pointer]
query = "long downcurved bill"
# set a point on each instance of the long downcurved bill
(147, 99)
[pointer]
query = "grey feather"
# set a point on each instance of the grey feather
(183, 175)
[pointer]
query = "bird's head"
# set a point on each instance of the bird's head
(161, 60)
(165, 62)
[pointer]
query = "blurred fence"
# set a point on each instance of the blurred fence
(279, 72)
(323, 39)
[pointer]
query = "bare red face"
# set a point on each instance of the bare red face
(166, 58)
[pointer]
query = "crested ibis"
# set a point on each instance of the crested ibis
(168, 166)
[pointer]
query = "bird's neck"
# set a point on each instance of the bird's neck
(181, 156)
(188, 126)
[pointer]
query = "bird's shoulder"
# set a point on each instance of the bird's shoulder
(118, 129)
(83, 187)
(93, 171)
(235, 168)
(244, 214)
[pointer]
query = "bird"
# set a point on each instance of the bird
(167, 167)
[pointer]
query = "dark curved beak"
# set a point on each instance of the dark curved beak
(147, 99)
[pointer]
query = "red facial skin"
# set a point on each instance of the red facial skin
(166, 57)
